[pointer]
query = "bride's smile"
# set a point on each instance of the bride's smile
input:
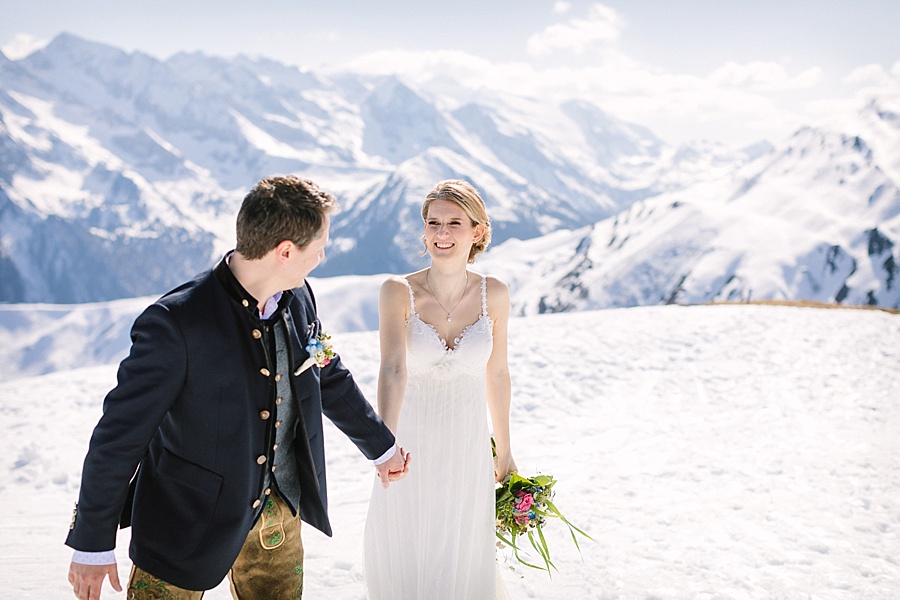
(448, 230)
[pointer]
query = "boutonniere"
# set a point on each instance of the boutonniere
(319, 347)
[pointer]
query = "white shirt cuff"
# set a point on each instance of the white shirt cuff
(386, 456)
(105, 557)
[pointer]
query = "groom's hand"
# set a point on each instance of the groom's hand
(395, 468)
(87, 580)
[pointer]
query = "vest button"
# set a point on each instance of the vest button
(256, 504)
(256, 333)
(245, 303)
(264, 414)
(261, 459)
(264, 371)
(268, 491)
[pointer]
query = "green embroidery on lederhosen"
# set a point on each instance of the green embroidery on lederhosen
(154, 584)
(271, 535)
(273, 539)
(298, 569)
(271, 512)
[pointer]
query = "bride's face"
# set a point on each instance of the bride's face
(449, 231)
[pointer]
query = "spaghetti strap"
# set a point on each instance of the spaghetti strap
(412, 299)
(484, 311)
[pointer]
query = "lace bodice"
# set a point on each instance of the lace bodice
(428, 355)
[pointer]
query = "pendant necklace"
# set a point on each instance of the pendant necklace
(433, 295)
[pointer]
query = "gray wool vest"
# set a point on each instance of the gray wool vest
(283, 473)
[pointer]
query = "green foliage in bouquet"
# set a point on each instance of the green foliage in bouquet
(523, 505)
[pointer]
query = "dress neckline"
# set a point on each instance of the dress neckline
(413, 314)
(458, 339)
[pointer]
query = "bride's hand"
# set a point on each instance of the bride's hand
(504, 464)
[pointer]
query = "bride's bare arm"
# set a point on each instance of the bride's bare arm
(499, 387)
(393, 312)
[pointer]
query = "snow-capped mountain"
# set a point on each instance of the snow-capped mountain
(121, 174)
(817, 219)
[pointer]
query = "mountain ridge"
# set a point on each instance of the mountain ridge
(122, 174)
(117, 145)
(737, 239)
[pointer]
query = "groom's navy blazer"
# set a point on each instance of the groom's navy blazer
(189, 414)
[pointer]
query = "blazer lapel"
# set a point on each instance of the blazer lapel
(297, 329)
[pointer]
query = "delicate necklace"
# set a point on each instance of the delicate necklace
(433, 295)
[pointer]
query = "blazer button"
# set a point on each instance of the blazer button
(277, 423)
(264, 414)
(275, 447)
(278, 400)
(261, 459)
(264, 371)
(256, 333)
(277, 376)
(255, 504)
(268, 491)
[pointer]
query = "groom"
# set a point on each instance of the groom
(211, 445)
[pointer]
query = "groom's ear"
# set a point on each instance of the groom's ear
(284, 249)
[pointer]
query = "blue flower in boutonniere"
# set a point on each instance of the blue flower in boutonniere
(320, 348)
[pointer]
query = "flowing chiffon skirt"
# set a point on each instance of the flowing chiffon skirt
(431, 535)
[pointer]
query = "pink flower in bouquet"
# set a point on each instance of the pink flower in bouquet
(525, 502)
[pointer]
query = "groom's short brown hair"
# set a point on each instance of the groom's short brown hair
(281, 208)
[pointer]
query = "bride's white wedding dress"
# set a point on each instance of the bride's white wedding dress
(430, 536)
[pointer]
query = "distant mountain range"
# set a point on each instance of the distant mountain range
(120, 176)
(817, 219)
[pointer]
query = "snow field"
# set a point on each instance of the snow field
(714, 452)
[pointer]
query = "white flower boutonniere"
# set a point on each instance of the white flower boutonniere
(320, 349)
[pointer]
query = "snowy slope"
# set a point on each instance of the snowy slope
(730, 452)
(36, 339)
(816, 219)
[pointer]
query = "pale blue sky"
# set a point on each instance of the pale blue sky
(733, 71)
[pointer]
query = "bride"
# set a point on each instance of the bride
(443, 336)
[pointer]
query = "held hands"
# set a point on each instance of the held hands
(87, 580)
(395, 468)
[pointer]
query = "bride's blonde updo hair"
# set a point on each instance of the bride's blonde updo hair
(467, 198)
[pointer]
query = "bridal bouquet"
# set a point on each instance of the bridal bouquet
(523, 506)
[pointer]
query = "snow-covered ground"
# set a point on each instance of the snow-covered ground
(727, 452)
